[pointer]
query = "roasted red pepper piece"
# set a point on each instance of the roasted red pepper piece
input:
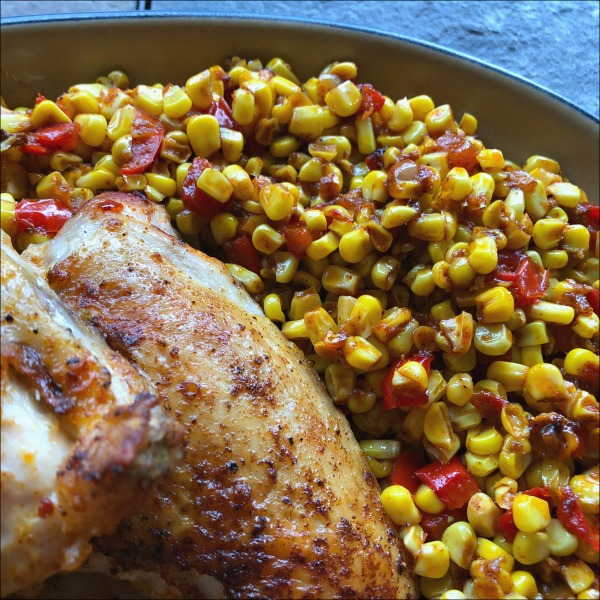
(147, 135)
(52, 138)
(435, 525)
(592, 213)
(451, 482)
(404, 472)
(394, 399)
(45, 216)
(198, 200)
(242, 252)
(572, 518)
(371, 101)
(593, 297)
(221, 111)
(298, 237)
(489, 405)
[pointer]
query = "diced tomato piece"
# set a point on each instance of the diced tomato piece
(572, 518)
(404, 472)
(221, 111)
(39, 98)
(451, 482)
(489, 405)
(298, 237)
(198, 200)
(59, 137)
(147, 135)
(45, 216)
(460, 151)
(592, 213)
(34, 148)
(506, 524)
(593, 297)
(435, 525)
(241, 251)
(371, 100)
(395, 399)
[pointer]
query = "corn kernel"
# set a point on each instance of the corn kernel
(493, 339)
(355, 245)
(47, 112)
(344, 100)
(531, 514)
(524, 584)
(204, 135)
(530, 548)
(93, 128)
(176, 102)
(544, 382)
(560, 541)
(365, 136)
(489, 550)
(266, 239)
(566, 194)
(360, 354)
(277, 201)
(340, 381)
(307, 122)
(433, 560)
(483, 515)
(427, 500)
(215, 184)
(398, 503)
(581, 363)
(483, 255)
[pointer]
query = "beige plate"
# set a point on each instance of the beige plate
(49, 55)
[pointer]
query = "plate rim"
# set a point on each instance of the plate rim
(230, 17)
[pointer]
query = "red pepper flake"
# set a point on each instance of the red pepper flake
(147, 135)
(404, 472)
(372, 100)
(572, 518)
(46, 508)
(451, 482)
(45, 216)
(397, 399)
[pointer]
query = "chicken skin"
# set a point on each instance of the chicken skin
(83, 436)
(274, 498)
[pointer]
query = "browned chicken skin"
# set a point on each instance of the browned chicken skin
(274, 498)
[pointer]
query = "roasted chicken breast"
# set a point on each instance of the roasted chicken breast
(83, 436)
(274, 498)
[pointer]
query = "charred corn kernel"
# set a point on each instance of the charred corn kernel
(360, 354)
(460, 389)
(215, 184)
(365, 135)
(560, 541)
(363, 315)
(8, 214)
(266, 240)
(581, 362)
(344, 100)
(307, 122)
(547, 233)
(484, 441)
(531, 514)
(355, 245)
(489, 158)
(440, 119)
(420, 106)
(324, 246)
(461, 541)
(483, 187)
(340, 280)
(176, 102)
(381, 449)
(514, 420)
(395, 216)
(198, 88)
(493, 339)
(392, 323)
(120, 123)
(483, 514)
(495, 305)
(523, 583)
(399, 505)
(460, 272)
(204, 135)
(530, 548)
(97, 180)
(51, 185)
(277, 201)
(578, 575)
(483, 255)
(264, 96)
(318, 323)
(294, 330)
(433, 560)
(428, 501)
(489, 550)
(340, 381)
(575, 238)
(47, 112)
(286, 265)
(437, 426)
(374, 186)
(585, 487)
(93, 128)
(545, 382)
(510, 374)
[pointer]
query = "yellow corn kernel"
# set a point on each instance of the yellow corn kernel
(47, 112)
(365, 135)
(251, 281)
(286, 265)
(93, 128)
(14, 122)
(266, 240)
(481, 466)
(25, 238)
(324, 246)
(577, 574)
(340, 381)
(468, 124)
(97, 180)
(360, 354)
(541, 162)
(483, 187)
(374, 186)
(531, 514)
(240, 180)
(165, 185)
(120, 123)
(232, 144)
(215, 184)
(282, 69)
(532, 334)
(304, 301)
(483, 514)
(515, 456)
(440, 119)
(198, 88)
(547, 233)
(395, 216)
(176, 102)
(277, 201)
(524, 584)
(484, 441)
(420, 106)
(433, 588)
(461, 541)
(315, 220)
(460, 389)
(430, 227)
(495, 305)
(585, 487)
(514, 420)
(381, 449)
(294, 330)
(565, 194)
(586, 325)
(344, 100)
(589, 594)
(560, 541)
(204, 135)
(363, 314)
(223, 227)
(461, 362)
(544, 382)
(460, 272)
(401, 117)
(410, 377)
(242, 107)
(413, 538)
(437, 426)
(355, 245)
(427, 500)
(483, 255)
(442, 310)
(554, 259)
(307, 122)
(433, 560)
(453, 595)
(490, 159)
(340, 280)
(318, 323)
(457, 185)
(581, 362)
(284, 146)
(189, 223)
(552, 313)
(8, 214)
(510, 374)
(530, 548)
(493, 339)
(399, 505)
(149, 99)
(130, 183)
(489, 550)
(174, 207)
(575, 238)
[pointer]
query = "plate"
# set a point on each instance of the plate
(518, 117)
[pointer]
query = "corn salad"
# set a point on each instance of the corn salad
(447, 296)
